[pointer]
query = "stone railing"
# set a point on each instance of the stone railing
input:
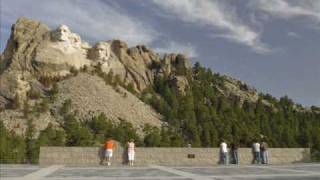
(91, 156)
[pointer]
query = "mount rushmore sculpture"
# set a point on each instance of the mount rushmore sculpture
(33, 50)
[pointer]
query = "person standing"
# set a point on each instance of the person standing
(109, 145)
(234, 153)
(131, 152)
(256, 153)
(264, 152)
(223, 152)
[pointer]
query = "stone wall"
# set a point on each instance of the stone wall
(90, 156)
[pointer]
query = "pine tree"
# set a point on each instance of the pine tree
(76, 135)
(152, 136)
(165, 137)
(31, 142)
(12, 146)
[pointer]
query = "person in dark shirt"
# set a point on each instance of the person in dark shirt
(234, 153)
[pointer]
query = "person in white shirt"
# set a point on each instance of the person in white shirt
(256, 153)
(223, 152)
(131, 152)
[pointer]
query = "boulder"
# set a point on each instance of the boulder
(180, 84)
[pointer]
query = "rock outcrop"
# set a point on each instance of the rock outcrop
(240, 90)
(15, 121)
(137, 62)
(16, 63)
(175, 64)
(180, 84)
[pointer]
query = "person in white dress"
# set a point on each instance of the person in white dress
(131, 152)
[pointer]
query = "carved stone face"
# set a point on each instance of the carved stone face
(101, 51)
(62, 33)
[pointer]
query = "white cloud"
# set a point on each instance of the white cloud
(95, 20)
(293, 34)
(175, 47)
(289, 9)
(216, 16)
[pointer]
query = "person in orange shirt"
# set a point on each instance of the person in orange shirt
(109, 145)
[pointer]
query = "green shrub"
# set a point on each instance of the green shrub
(33, 94)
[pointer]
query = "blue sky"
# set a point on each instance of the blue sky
(273, 45)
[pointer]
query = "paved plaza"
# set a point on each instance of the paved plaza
(241, 172)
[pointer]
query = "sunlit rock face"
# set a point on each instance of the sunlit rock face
(16, 62)
(100, 52)
(62, 38)
(14, 84)
(61, 51)
(62, 33)
(179, 83)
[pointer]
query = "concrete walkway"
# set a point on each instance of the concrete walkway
(283, 172)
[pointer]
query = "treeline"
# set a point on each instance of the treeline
(204, 116)
(73, 132)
